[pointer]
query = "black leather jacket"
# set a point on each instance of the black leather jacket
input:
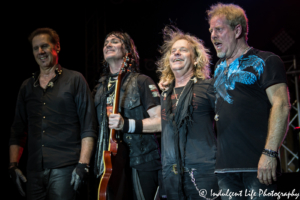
(143, 147)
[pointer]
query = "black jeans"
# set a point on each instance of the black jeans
(51, 184)
(149, 182)
(244, 185)
(204, 182)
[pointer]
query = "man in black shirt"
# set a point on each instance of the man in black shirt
(188, 139)
(252, 106)
(55, 111)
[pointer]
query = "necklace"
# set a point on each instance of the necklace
(110, 82)
(227, 67)
(177, 99)
(225, 72)
(110, 98)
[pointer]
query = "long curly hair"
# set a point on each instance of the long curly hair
(129, 47)
(200, 53)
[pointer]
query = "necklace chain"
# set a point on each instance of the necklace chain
(177, 99)
(110, 82)
(110, 98)
(227, 67)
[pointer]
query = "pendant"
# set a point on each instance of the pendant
(50, 84)
(216, 117)
(108, 100)
(225, 72)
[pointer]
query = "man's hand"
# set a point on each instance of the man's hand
(79, 175)
(115, 121)
(164, 84)
(16, 174)
(266, 169)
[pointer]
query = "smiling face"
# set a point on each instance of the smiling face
(181, 58)
(222, 36)
(45, 53)
(113, 48)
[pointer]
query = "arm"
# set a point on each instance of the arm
(150, 125)
(153, 123)
(87, 145)
(87, 117)
(80, 173)
(15, 153)
(278, 121)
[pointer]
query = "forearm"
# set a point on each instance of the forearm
(15, 152)
(87, 145)
(151, 125)
(278, 123)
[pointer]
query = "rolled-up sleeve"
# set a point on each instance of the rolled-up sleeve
(85, 109)
(18, 133)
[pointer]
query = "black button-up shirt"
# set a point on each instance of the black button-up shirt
(55, 118)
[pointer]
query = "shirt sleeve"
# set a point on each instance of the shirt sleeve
(149, 93)
(19, 127)
(85, 108)
(274, 72)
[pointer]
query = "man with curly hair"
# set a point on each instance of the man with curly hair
(252, 106)
(188, 139)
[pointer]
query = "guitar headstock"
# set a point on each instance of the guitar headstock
(126, 63)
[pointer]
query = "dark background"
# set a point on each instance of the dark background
(142, 19)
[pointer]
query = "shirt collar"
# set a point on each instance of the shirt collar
(58, 71)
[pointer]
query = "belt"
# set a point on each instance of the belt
(185, 169)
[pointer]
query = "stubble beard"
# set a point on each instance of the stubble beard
(221, 54)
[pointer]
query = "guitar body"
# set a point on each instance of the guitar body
(114, 182)
(117, 172)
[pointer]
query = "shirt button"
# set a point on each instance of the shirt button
(43, 145)
(43, 131)
(44, 103)
(44, 117)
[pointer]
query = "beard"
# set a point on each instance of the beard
(221, 54)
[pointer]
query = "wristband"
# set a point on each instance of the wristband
(270, 153)
(126, 126)
(138, 126)
(13, 164)
(133, 126)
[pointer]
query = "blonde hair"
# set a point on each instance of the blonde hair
(200, 54)
(234, 15)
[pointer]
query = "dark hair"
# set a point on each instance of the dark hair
(129, 47)
(54, 38)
